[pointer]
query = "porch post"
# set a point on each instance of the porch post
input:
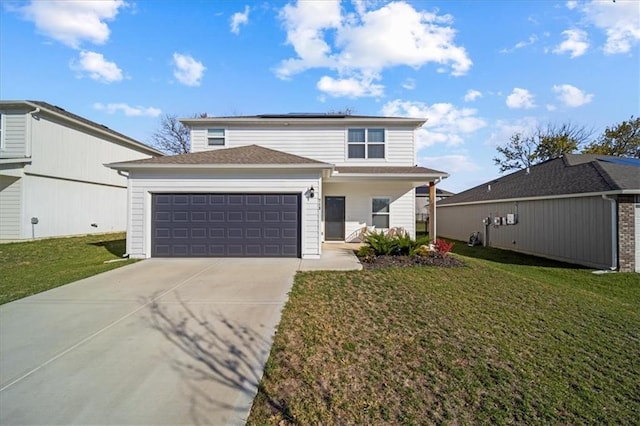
(432, 211)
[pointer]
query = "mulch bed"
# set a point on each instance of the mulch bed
(377, 262)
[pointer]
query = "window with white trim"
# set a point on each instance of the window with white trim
(215, 137)
(380, 207)
(365, 143)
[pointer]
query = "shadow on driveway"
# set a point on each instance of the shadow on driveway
(218, 350)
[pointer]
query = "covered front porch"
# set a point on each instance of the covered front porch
(360, 199)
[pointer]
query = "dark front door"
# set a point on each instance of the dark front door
(334, 218)
(225, 225)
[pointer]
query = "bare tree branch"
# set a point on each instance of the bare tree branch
(173, 137)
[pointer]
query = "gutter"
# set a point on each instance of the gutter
(614, 232)
(131, 166)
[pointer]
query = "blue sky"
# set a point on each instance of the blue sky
(478, 70)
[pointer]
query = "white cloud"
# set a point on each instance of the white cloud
(73, 21)
(576, 43)
(187, 70)
(472, 95)
(445, 123)
(349, 87)
(450, 163)
(572, 4)
(502, 130)
(409, 84)
(520, 98)
(129, 111)
(551, 107)
(364, 43)
(96, 67)
(519, 45)
(619, 20)
(571, 96)
(239, 18)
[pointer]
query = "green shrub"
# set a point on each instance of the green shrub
(396, 242)
(366, 254)
(381, 244)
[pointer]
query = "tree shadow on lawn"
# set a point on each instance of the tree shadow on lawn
(219, 350)
(115, 247)
(509, 257)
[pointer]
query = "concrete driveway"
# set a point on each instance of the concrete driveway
(163, 341)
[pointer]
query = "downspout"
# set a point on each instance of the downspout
(614, 232)
(27, 153)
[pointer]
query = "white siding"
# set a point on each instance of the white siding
(143, 184)
(358, 204)
(69, 208)
(14, 134)
(326, 144)
(10, 207)
(61, 150)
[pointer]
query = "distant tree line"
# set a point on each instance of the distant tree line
(552, 141)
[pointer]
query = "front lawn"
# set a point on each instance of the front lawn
(500, 340)
(31, 267)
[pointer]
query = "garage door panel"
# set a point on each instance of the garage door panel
(237, 225)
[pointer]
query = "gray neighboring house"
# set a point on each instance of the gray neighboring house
(579, 208)
(52, 176)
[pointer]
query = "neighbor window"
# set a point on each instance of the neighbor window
(380, 212)
(215, 137)
(1, 133)
(365, 143)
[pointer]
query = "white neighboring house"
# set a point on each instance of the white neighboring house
(275, 185)
(52, 176)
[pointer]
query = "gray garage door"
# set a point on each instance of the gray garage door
(225, 225)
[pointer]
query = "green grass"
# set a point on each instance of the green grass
(506, 339)
(31, 267)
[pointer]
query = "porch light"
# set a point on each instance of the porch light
(311, 192)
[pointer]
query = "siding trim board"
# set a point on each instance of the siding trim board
(546, 197)
(75, 180)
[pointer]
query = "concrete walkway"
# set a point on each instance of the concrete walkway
(163, 341)
(335, 257)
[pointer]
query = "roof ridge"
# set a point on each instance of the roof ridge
(604, 174)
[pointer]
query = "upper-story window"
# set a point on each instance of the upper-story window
(215, 137)
(366, 143)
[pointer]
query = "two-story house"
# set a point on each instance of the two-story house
(52, 176)
(275, 185)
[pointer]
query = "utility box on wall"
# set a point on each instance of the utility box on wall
(512, 219)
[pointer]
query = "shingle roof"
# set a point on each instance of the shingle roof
(570, 174)
(388, 170)
(247, 155)
(61, 111)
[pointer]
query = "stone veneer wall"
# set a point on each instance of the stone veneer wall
(626, 233)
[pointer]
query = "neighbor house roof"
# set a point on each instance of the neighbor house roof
(424, 190)
(70, 117)
(305, 119)
(250, 155)
(567, 175)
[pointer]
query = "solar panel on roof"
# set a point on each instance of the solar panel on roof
(623, 160)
